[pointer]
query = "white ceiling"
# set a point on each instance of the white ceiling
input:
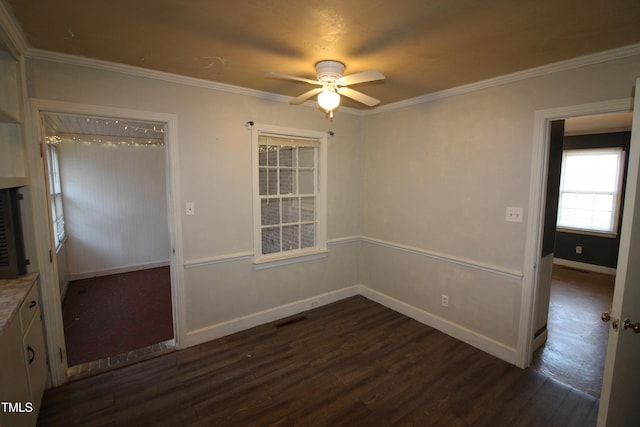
(422, 46)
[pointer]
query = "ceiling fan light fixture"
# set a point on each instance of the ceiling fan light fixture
(328, 100)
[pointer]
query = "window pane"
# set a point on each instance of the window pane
(268, 181)
(287, 181)
(307, 235)
(584, 201)
(601, 220)
(306, 157)
(263, 181)
(290, 237)
(270, 240)
(287, 156)
(306, 178)
(608, 164)
(307, 209)
(603, 202)
(290, 210)
(569, 200)
(566, 217)
(262, 156)
(606, 182)
(272, 155)
(270, 211)
(583, 218)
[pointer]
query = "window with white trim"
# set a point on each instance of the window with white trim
(55, 190)
(289, 193)
(590, 190)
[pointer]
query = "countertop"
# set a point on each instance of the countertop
(12, 294)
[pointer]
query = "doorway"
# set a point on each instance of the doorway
(110, 224)
(579, 264)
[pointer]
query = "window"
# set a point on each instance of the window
(55, 190)
(289, 193)
(590, 187)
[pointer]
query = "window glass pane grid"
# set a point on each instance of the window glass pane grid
(287, 190)
(589, 193)
(55, 190)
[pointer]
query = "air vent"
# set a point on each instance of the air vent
(4, 233)
(291, 321)
(12, 258)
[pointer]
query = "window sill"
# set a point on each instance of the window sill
(605, 234)
(61, 244)
(286, 259)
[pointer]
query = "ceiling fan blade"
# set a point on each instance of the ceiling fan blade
(358, 96)
(300, 99)
(273, 75)
(361, 77)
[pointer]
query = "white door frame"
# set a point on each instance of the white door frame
(537, 197)
(51, 301)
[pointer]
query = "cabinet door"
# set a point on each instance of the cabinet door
(36, 358)
(14, 387)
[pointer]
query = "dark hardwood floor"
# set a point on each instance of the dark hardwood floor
(576, 346)
(351, 363)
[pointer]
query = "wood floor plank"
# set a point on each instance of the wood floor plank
(351, 363)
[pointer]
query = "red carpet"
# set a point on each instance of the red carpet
(109, 315)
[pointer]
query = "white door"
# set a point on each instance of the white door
(619, 405)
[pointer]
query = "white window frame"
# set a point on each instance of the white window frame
(55, 191)
(296, 255)
(617, 193)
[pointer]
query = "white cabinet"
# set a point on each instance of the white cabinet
(13, 169)
(23, 363)
(33, 346)
(13, 368)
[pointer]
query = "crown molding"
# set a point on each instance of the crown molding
(11, 33)
(581, 61)
(80, 61)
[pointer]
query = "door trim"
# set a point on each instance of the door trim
(52, 313)
(539, 164)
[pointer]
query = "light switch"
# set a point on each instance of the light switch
(191, 208)
(514, 214)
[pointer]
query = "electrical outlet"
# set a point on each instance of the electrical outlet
(445, 300)
(190, 208)
(578, 249)
(514, 214)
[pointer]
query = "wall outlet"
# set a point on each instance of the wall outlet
(190, 208)
(514, 214)
(578, 249)
(445, 300)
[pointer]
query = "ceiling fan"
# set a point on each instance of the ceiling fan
(333, 85)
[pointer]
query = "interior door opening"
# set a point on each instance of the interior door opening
(109, 218)
(574, 288)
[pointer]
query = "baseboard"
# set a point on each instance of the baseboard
(539, 340)
(107, 272)
(474, 339)
(220, 330)
(486, 344)
(584, 266)
(64, 290)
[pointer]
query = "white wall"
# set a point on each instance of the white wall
(214, 154)
(115, 207)
(427, 186)
(438, 177)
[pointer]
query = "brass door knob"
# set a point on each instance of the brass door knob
(628, 325)
(605, 317)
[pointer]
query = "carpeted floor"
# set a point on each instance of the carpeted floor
(109, 315)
